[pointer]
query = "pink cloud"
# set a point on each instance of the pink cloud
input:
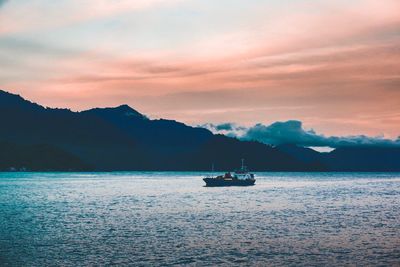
(339, 65)
(35, 17)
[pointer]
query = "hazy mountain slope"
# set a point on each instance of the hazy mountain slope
(91, 139)
(363, 159)
(38, 158)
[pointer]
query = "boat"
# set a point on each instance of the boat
(241, 177)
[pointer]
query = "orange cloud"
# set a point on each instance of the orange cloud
(337, 69)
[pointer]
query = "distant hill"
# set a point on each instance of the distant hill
(17, 157)
(363, 159)
(36, 138)
(368, 159)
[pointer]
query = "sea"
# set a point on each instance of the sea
(171, 219)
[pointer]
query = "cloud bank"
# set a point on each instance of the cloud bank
(292, 132)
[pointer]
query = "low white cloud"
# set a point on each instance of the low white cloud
(228, 129)
(292, 132)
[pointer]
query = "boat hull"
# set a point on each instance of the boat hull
(212, 182)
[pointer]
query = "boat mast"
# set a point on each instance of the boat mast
(242, 164)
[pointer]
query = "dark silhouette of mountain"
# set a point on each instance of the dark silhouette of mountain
(366, 158)
(306, 155)
(33, 137)
(38, 158)
(225, 152)
(301, 153)
(363, 159)
(156, 136)
(12, 101)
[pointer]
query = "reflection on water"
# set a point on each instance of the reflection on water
(309, 219)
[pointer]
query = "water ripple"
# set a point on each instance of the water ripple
(159, 219)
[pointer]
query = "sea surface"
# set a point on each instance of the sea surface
(170, 218)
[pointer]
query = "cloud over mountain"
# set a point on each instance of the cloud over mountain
(292, 132)
(229, 128)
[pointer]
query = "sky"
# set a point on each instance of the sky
(333, 66)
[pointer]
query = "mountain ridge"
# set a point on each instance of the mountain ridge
(122, 139)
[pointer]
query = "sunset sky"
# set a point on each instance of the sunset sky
(333, 65)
